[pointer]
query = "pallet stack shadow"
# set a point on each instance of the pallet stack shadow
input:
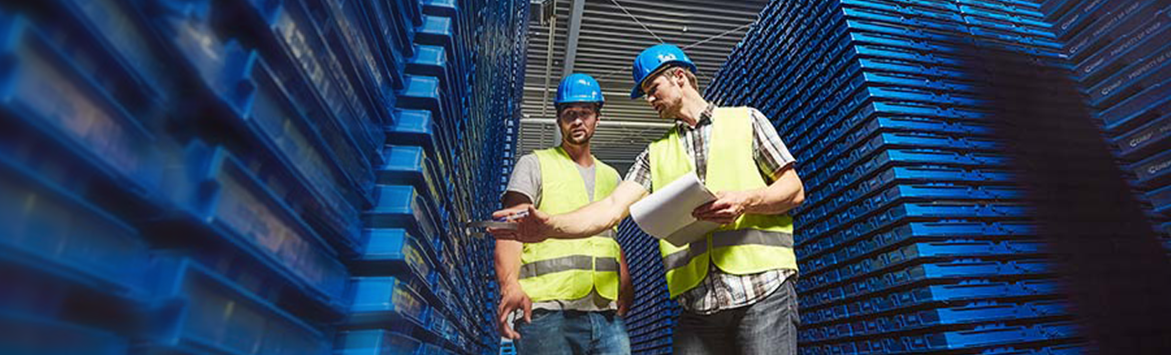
(915, 236)
(652, 317)
(1121, 53)
(252, 177)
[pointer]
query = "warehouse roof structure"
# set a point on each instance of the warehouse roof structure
(601, 38)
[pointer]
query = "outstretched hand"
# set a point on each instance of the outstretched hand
(532, 228)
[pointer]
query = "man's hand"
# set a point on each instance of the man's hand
(625, 300)
(728, 206)
(512, 297)
(533, 228)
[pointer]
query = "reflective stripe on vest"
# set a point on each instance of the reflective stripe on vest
(751, 244)
(721, 239)
(568, 269)
(566, 263)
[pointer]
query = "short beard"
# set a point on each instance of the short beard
(569, 138)
(671, 111)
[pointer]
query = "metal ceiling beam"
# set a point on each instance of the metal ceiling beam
(577, 8)
(549, 55)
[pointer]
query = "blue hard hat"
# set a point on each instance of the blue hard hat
(654, 58)
(579, 88)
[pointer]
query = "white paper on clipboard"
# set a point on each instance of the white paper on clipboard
(666, 214)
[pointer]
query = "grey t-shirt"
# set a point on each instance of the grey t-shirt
(526, 180)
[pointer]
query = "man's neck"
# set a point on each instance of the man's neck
(693, 107)
(579, 153)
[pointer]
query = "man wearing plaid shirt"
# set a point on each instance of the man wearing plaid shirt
(736, 286)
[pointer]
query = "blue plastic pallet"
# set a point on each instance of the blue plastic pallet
(292, 23)
(432, 61)
(842, 190)
(964, 291)
(1160, 198)
(848, 153)
(1153, 33)
(977, 337)
(125, 31)
(1071, 348)
(955, 23)
(411, 165)
(1152, 171)
(827, 289)
(957, 249)
(424, 93)
(376, 342)
(1145, 72)
(275, 122)
(394, 252)
(980, 312)
(89, 53)
(417, 128)
(401, 18)
(67, 235)
(1112, 26)
(350, 40)
(952, 248)
(912, 211)
(1144, 140)
(235, 206)
(293, 33)
(402, 206)
(910, 157)
(868, 120)
(862, 204)
(382, 25)
(382, 300)
(47, 91)
(30, 334)
(203, 313)
(1079, 16)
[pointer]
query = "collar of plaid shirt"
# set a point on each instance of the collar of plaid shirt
(704, 118)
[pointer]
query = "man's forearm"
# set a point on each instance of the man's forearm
(586, 222)
(508, 261)
(508, 251)
(596, 217)
(782, 195)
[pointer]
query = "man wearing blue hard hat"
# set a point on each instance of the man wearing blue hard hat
(736, 284)
(573, 292)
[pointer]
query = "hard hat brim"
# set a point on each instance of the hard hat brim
(637, 91)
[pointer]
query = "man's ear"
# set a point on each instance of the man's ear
(680, 78)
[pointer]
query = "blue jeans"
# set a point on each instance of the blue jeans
(572, 332)
(768, 326)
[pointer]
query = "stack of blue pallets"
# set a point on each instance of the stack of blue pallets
(923, 229)
(253, 177)
(1120, 51)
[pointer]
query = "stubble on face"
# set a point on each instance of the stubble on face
(579, 131)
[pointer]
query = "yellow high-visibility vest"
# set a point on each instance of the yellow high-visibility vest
(559, 269)
(753, 243)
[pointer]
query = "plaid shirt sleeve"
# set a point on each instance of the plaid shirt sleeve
(771, 154)
(640, 171)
